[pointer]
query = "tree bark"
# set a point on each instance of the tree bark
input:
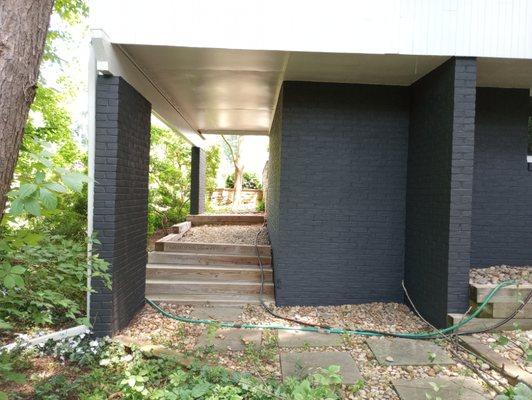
(23, 28)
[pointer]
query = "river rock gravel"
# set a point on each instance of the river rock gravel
(500, 273)
(234, 234)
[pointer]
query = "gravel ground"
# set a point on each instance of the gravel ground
(237, 234)
(500, 273)
(264, 362)
(510, 344)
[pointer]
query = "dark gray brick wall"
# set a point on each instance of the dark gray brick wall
(197, 181)
(120, 201)
(502, 201)
(338, 176)
(439, 189)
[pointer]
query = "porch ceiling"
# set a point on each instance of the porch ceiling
(223, 90)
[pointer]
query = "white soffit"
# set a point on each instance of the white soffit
(222, 90)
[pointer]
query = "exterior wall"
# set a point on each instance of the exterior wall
(197, 181)
(502, 211)
(439, 189)
(336, 205)
(120, 201)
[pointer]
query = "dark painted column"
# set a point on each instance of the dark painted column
(120, 201)
(197, 181)
(439, 189)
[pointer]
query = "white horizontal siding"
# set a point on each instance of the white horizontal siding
(483, 28)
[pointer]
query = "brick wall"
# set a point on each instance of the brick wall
(337, 190)
(120, 200)
(197, 180)
(439, 188)
(502, 201)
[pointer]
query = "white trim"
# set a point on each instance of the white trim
(91, 129)
(59, 335)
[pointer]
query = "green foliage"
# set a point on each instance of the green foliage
(261, 206)
(519, 392)
(45, 283)
(250, 180)
(112, 370)
(213, 162)
(169, 195)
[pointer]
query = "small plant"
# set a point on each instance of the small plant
(250, 180)
(518, 392)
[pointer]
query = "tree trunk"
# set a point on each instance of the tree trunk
(23, 28)
(239, 174)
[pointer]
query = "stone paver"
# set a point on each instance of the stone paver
(448, 389)
(218, 313)
(396, 351)
(310, 339)
(231, 339)
(302, 364)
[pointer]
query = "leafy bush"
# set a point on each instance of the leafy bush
(45, 282)
(169, 195)
(250, 180)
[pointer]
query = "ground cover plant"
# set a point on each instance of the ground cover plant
(100, 369)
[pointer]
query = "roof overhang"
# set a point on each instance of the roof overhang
(203, 90)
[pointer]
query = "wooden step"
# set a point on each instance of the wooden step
(503, 310)
(214, 248)
(226, 219)
(164, 257)
(240, 273)
(508, 294)
(210, 299)
(483, 323)
(164, 286)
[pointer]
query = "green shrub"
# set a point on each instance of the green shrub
(45, 282)
(250, 180)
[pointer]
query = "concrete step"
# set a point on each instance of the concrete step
(219, 273)
(509, 294)
(214, 248)
(207, 299)
(226, 219)
(200, 288)
(164, 257)
(484, 323)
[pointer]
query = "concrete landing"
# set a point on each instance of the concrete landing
(303, 364)
(308, 339)
(455, 389)
(230, 339)
(396, 351)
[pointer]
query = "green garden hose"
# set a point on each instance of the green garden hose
(359, 332)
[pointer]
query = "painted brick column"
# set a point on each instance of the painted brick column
(439, 189)
(120, 201)
(197, 181)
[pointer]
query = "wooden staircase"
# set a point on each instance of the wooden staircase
(206, 273)
(501, 306)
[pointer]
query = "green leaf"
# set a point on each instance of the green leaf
(33, 207)
(3, 396)
(55, 187)
(502, 340)
(49, 199)
(27, 189)
(5, 326)
(74, 180)
(9, 281)
(39, 177)
(16, 207)
(18, 269)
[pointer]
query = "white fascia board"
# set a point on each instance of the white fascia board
(474, 28)
(115, 61)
